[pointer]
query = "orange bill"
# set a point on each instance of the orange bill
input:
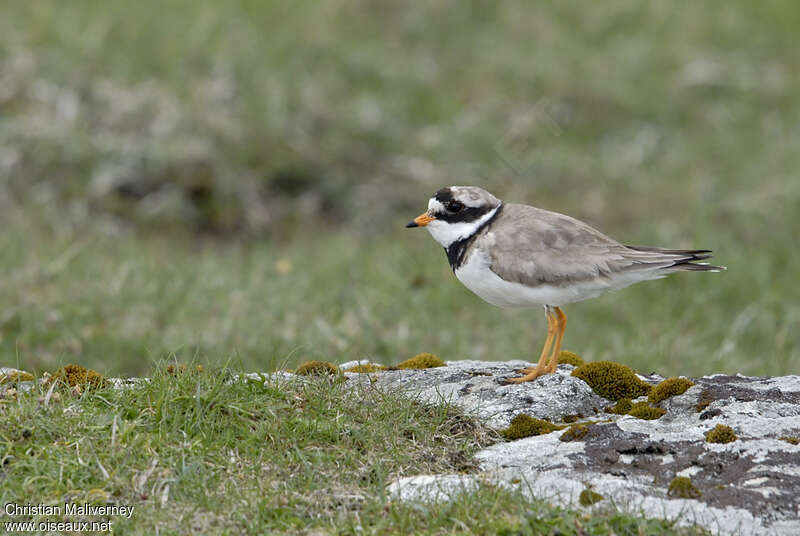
(421, 221)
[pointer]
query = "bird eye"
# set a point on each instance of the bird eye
(455, 206)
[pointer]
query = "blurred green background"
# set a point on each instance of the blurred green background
(229, 181)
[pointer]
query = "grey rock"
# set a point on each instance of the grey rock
(477, 387)
(22, 386)
(748, 486)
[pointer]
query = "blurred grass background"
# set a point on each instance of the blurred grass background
(230, 180)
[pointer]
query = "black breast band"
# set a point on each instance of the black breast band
(457, 250)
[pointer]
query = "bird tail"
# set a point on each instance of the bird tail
(676, 260)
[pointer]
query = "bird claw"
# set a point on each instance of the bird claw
(528, 377)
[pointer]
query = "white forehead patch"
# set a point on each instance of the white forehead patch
(435, 206)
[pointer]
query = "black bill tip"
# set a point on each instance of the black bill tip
(412, 223)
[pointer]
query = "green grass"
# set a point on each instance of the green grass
(314, 132)
(227, 182)
(117, 303)
(197, 452)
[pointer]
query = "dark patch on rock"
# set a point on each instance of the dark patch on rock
(716, 412)
(746, 390)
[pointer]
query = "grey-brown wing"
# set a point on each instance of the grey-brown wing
(535, 246)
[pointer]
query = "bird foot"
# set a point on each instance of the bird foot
(531, 373)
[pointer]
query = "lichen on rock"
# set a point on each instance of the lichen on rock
(14, 376)
(570, 358)
(366, 368)
(683, 488)
(76, 375)
(317, 368)
(642, 410)
(721, 434)
(703, 402)
(622, 407)
(669, 388)
(612, 380)
(576, 432)
(421, 361)
(525, 426)
(589, 497)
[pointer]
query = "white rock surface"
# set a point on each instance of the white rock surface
(432, 488)
(749, 486)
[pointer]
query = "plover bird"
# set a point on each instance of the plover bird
(519, 256)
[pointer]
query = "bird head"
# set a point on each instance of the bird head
(456, 212)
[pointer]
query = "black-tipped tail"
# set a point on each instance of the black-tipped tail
(682, 259)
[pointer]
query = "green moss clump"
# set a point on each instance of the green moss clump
(525, 426)
(721, 434)
(682, 487)
(569, 419)
(15, 376)
(612, 380)
(576, 432)
(669, 388)
(792, 440)
(317, 368)
(570, 358)
(642, 410)
(366, 369)
(76, 375)
(622, 407)
(421, 361)
(589, 497)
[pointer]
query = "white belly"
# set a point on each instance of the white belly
(476, 275)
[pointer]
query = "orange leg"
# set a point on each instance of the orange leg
(553, 333)
(561, 323)
(545, 355)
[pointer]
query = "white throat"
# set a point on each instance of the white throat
(448, 233)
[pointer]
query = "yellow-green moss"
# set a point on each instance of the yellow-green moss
(569, 419)
(525, 426)
(76, 375)
(576, 432)
(721, 434)
(612, 380)
(642, 410)
(705, 399)
(792, 440)
(16, 376)
(317, 368)
(589, 497)
(570, 358)
(682, 487)
(421, 361)
(365, 369)
(622, 407)
(669, 388)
